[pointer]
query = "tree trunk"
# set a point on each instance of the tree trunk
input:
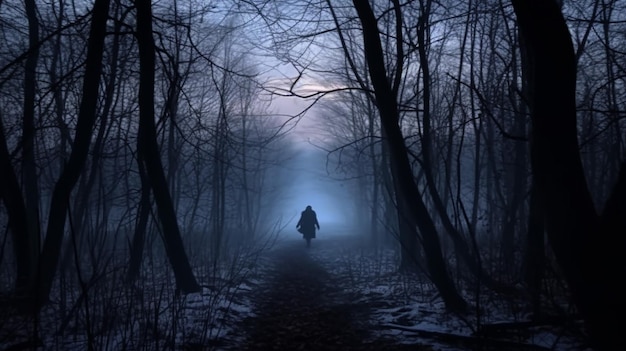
(534, 258)
(139, 237)
(85, 186)
(16, 211)
(84, 127)
(460, 245)
(374, 218)
(585, 247)
(407, 234)
(148, 151)
(30, 184)
(402, 173)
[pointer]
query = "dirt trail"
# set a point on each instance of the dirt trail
(303, 307)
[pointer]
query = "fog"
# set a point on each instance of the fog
(309, 183)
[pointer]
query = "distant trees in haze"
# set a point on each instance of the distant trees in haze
(98, 157)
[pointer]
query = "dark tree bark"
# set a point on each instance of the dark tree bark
(11, 194)
(85, 187)
(84, 128)
(30, 185)
(402, 173)
(585, 246)
(139, 238)
(407, 234)
(534, 259)
(518, 175)
(23, 212)
(515, 197)
(148, 150)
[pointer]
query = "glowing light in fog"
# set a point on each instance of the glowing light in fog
(330, 206)
(311, 186)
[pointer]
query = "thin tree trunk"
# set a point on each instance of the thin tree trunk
(461, 247)
(374, 217)
(407, 234)
(139, 237)
(30, 185)
(86, 117)
(402, 173)
(18, 210)
(148, 151)
(534, 259)
(519, 174)
(11, 194)
(409, 257)
(172, 113)
(87, 181)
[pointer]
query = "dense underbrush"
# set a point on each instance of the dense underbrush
(94, 307)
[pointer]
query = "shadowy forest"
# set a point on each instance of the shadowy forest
(144, 148)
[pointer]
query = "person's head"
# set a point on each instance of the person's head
(308, 208)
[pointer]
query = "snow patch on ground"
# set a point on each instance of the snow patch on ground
(109, 314)
(406, 307)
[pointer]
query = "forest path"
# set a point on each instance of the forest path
(302, 306)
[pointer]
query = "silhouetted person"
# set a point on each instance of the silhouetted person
(307, 223)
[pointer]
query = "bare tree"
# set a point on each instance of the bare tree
(29, 170)
(86, 118)
(587, 245)
(406, 190)
(148, 151)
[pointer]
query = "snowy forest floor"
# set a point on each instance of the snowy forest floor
(301, 306)
(340, 294)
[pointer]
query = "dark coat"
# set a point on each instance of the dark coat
(307, 223)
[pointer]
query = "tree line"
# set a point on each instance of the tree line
(122, 122)
(485, 136)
